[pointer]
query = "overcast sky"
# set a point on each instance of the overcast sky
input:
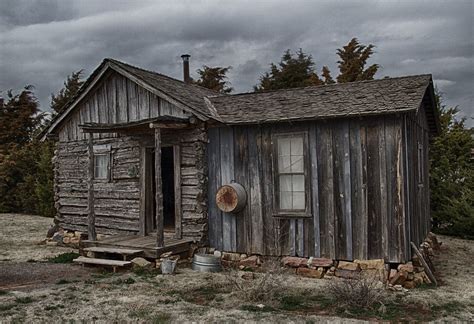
(41, 42)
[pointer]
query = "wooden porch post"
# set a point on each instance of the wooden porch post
(90, 197)
(159, 190)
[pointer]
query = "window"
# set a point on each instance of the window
(101, 166)
(291, 187)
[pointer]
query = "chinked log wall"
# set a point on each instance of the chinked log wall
(117, 202)
(357, 191)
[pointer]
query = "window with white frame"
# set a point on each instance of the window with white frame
(102, 162)
(291, 194)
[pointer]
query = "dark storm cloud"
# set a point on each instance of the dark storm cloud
(43, 42)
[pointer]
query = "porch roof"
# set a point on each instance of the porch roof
(161, 121)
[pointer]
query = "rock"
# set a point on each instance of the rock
(294, 262)
(141, 263)
(53, 229)
(77, 234)
(407, 267)
(348, 274)
(58, 237)
(247, 276)
(409, 284)
(374, 274)
(351, 266)
(377, 264)
(243, 256)
(228, 256)
(250, 262)
(418, 278)
(320, 262)
(434, 239)
(309, 273)
(393, 273)
(399, 278)
(166, 255)
(66, 240)
(211, 250)
(217, 254)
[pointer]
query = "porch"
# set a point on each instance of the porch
(142, 246)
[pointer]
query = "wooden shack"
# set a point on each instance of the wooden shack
(337, 171)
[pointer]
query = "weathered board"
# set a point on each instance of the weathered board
(357, 190)
(116, 99)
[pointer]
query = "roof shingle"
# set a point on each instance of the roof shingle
(317, 102)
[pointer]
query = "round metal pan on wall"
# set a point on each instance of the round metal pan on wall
(231, 198)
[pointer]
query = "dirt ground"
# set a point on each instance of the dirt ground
(35, 290)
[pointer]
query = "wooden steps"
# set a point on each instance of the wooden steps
(103, 262)
(112, 250)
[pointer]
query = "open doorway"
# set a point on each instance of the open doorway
(167, 179)
(168, 188)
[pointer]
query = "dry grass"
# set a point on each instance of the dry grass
(360, 292)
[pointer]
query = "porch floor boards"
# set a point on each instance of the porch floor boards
(145, 243)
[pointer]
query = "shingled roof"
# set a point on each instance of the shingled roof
(390, 95)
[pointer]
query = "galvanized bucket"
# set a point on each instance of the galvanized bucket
(168, 266)
(206, 263)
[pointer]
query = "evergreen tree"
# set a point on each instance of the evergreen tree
(19, 118)
(71, 86)
(214, 78)
(451, 175)
(353, 58)
(326, 74)
(294, 70)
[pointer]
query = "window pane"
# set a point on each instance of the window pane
(101, 163)
(298, 200)
(285, 200)
(298, 182)
(297, 145)
(297, 163)
(284, 147)
(284, 164)
(285, 183)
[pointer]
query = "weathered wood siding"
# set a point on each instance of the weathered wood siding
(117, 202)
(357, 190)
(417, 191)
(115, 100)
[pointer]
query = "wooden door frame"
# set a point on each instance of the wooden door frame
(144, 187)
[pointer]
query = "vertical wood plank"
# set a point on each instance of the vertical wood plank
(227, 174)
(256, 222)
(122, 100)
(159, 190)
(292, 237)
(132, 100)
(143, 103)
(326, 189)
(313, 143)
(375, 250)
(111, 100)
(270, 224)
(241, 175)
(358, 185)
(214, 164)
(154, 106)
(91, 233)
(300, 237)
(143, 191)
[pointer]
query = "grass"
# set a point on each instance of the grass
(161, 318)
(120, 281)
(53, 307)
(64, 257)
(6, 307)
(62, 282)
(24, 300)
(4, 292)
(256, 309)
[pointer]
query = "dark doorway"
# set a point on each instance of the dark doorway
(167, 178)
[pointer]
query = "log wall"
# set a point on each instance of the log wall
(117, 202)
(357, 190)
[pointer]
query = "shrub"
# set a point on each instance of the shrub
(264, 287)
(64, 258)
(360, 292)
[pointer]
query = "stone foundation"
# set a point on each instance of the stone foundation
(395, 276)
